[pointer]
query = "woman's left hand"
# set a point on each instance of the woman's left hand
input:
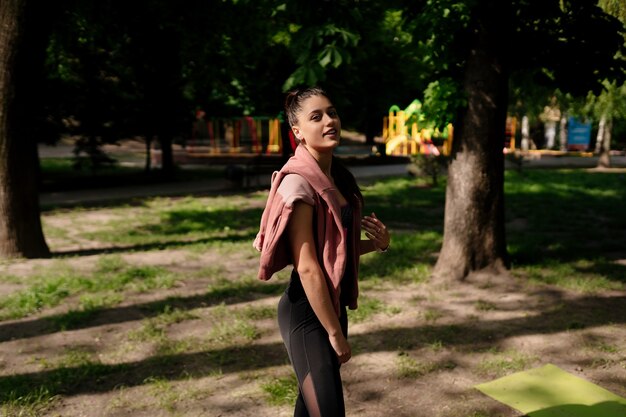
(376, 231)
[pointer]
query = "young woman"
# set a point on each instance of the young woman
(313, 220)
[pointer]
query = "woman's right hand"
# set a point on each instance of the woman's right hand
(341, 347)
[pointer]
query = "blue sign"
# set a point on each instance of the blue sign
(578, 135)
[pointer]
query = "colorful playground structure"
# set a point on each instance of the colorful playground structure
(408, 132)
(236, 135)
(405, 132)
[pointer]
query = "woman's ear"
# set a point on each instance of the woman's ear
(296, 132)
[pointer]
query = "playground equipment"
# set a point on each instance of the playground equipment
(509, 134)
(396, 135)
(237, 135)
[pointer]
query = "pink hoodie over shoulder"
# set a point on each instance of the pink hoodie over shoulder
(311, 186)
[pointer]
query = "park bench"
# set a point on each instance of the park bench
(249, 173)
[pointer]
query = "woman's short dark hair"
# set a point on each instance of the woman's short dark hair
(294, 99)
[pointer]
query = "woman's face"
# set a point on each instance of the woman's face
(318, 125)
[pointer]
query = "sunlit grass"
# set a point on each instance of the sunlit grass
(33, 404)
(154, 329)
(282, 390)
(408, 366)
(166, 395)
(174, 221)
(586, 276)
(507, 362)
(409, 259)
(228, 327)
(258, 312)
(50, 286)
(368, 307)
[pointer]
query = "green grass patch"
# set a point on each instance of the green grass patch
(245, 288)
(228, 327)
(70, 358)
(409, 367)
(565, 213)
(164, 393)
(89, 306)
(367, 308)
(281, 391)
(482, 305)
(507, 362)
(32, 404)
(37, 391)
(49, 287)
(258, 312)
(154, 329)
(409, 260)
(431, 315)
(583, 275)
(173, 222)
(436, 346)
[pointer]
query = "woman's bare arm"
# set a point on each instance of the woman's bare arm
(300, 230)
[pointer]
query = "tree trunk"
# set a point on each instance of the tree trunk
(148, 165)
(600, 135)
(20, 225)
(563, 133)
(167, 154)
(525, 134)
(474, 234)
(605, 151)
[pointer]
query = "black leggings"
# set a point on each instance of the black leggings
(311, 354)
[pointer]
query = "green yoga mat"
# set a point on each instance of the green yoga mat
(551, 392)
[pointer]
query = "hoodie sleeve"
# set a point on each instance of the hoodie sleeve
(294, 188)
(275, 251)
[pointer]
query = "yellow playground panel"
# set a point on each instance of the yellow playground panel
(407, 132)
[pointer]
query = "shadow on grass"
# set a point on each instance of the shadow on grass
(408, 262)
(113, 201)
(96, 377)
(236, 292)
(198, 219)
(401, 203)
(178, 228)
(567, 216)
(170, 244)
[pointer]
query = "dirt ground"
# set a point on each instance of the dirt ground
(421, 356)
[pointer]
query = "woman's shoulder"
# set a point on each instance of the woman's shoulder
(294, 187)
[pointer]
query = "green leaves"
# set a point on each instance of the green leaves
(442, 99)
(319, 48)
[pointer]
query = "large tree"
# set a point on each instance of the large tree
(474, 236)
(21, 54)
(494, 40)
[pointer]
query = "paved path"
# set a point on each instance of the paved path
(212, 186)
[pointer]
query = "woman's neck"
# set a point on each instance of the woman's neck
(324, 160)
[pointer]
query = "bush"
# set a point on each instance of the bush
(428, 165)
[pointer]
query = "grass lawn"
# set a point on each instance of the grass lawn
(152, 308)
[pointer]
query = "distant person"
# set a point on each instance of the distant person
(550, 116)
(313, 220)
